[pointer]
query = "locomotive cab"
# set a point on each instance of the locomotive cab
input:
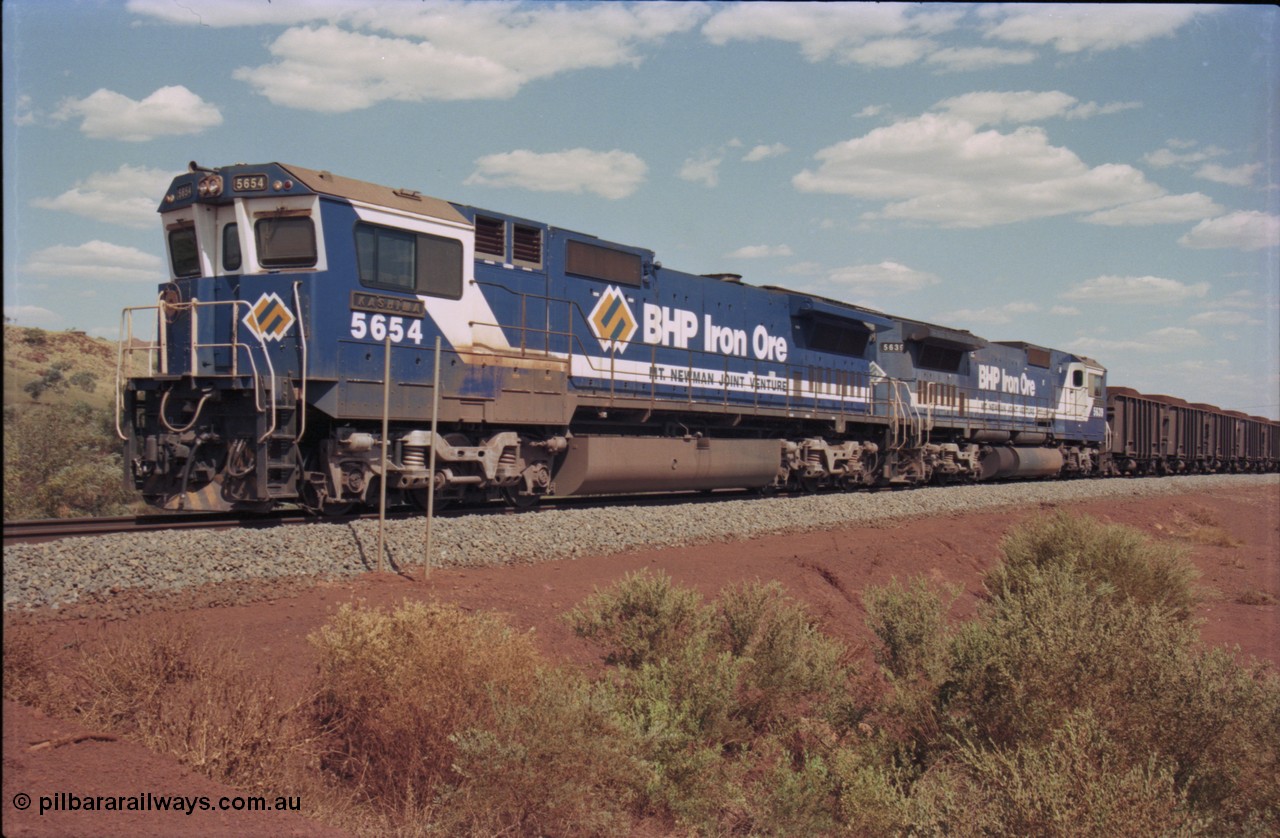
(208, 406)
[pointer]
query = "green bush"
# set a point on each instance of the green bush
(1052, 646)
(790, 669)
(1067, 707)
(62, 462)
(555, 764)
(730, 705)
(642, 618)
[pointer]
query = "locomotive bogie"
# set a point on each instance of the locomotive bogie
(304, 309)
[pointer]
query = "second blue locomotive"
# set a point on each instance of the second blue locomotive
(569, 365)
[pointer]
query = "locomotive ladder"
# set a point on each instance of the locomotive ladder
(278, 464)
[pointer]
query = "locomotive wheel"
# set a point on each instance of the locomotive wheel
(418, 497)
(808, 484)
(516, 500)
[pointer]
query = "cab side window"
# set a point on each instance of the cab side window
(415, 263)
(288, 242)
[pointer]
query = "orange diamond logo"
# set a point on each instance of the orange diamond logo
(270, 318)
(612, 322)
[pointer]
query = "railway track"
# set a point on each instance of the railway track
(53, 529)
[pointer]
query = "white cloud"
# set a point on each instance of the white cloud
(991, 315)
(609, 174)
(33, 315)
(1220, 317)
(1170, 339)
(846, 32)
(1175, 154)
(22, 112)
(169, 111)
(942, 169)
(97, 260)
(890, 52)
(1064, 311)
(963, 59)
(759, 251)
(364, 54)
(1247, 299)
(764, 152)
(886, 278)
(704, 170)
(1137, 290)
(1088, 27)
(126, 196)
(870, 110)
(1088, 110)
(228, 13)
(1245, 230)
(1234, 176)
(990, 107)
(1167, 209)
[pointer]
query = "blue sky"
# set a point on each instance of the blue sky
(1096, 178)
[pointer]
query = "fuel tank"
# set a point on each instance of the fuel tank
(606, 464)
(1007, 462)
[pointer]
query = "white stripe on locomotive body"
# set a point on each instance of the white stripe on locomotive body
(676, 376)
(465, 323)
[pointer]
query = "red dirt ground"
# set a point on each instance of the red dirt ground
(1232, 537)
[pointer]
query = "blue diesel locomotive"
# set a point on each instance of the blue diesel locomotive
(569, 365)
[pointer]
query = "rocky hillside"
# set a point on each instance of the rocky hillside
(57, 368)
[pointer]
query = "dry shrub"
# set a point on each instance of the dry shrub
(394, 688)
(25, 678)
(555, 764)
(871, 800)
(196, 701)
(124, 683)
(1118, 557)
(788, 794)
(1053, 646)
(911, 624)
(1077, 783)
(1200, 526)
(231, 725)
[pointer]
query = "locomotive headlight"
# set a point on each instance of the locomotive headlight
(281, 185)
(210, 186)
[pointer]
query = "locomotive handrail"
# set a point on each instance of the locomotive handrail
(302, 360)
(160, 345)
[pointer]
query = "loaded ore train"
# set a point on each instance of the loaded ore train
(568, 365)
